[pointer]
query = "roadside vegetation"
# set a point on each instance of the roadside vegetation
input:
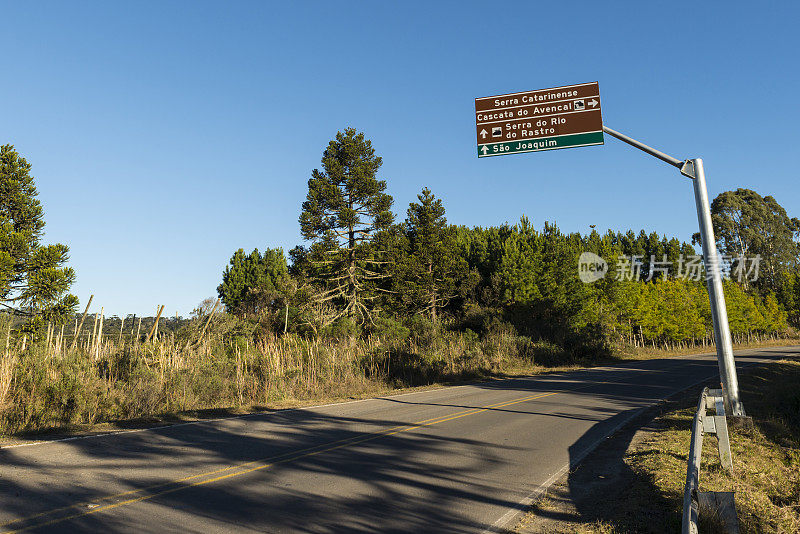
(49, 385)
(370, 303)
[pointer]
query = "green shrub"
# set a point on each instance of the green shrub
(422, 329)
(390, 330)
(342, 328)
(471, 338)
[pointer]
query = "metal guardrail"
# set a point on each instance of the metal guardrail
(722, 503)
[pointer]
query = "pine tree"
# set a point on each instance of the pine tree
(521, 266)
(433, 271)
(34, 281)
(345, 207)
(254, 283)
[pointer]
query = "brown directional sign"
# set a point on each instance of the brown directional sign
(545, 119)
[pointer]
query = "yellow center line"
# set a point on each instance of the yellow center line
(216, 471)
(273, 460)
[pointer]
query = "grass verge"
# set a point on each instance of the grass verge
(135, 386)
(634, 482)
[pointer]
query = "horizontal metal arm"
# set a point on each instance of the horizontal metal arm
(641, 146)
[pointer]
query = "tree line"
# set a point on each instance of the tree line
(363, 272)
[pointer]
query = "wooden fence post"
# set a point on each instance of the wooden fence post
(49, 335)
(98, 339)
(60, 344)
(154, 329)
(203, 331)
(93, 338)
(78, 329)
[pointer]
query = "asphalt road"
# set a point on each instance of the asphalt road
(458, 459)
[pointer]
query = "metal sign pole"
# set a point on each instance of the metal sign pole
(719, 313)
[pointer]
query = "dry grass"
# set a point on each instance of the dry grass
(47, 385)
(55, 387)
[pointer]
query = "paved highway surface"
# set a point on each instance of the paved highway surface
(458, 459)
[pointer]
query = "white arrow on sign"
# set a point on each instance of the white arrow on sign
(484, 150)
(593, 102)
(484, 133)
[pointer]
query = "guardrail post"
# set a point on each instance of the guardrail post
(717, 424)
(690, 504)
(723, 443)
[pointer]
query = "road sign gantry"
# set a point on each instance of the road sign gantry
(545, 119)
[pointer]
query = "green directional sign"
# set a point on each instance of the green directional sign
(544, 119)
(545, 143)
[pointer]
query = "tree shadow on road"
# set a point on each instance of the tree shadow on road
(361, 475)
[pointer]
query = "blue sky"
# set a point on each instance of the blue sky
(165, 135)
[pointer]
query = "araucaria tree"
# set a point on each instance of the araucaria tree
(345, 207)
(34, 280)
(433, 270)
